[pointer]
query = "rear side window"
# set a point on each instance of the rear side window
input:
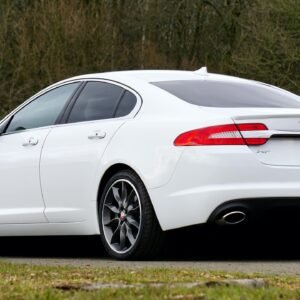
(229, 94)
(97, 101)
(126, 105)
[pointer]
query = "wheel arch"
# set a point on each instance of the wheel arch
(107, 175)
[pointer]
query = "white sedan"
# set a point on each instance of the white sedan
(131, 154)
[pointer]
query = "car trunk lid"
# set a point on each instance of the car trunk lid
(282, 147)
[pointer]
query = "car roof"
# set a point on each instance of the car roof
(159, 75)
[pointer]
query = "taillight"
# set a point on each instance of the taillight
(252, 133)
(229, 134)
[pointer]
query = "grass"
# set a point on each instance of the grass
(49, 282)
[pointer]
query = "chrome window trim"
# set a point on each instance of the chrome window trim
(131, 115)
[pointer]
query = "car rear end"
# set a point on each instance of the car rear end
(247, 169)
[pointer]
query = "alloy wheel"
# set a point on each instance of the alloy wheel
(121, 216)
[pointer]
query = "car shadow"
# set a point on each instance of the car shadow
(271, 242)
(200, 243)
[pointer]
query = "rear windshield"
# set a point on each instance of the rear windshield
(228, 94)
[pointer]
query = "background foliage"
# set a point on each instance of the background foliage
(43, 41)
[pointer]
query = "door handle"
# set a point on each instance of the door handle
(97, 135)
(30, 142)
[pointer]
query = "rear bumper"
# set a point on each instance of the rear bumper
(207, 177)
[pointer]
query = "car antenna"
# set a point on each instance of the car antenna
(202, 71)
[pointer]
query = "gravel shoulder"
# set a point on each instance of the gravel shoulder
(134, 280)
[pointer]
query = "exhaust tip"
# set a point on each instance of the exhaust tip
(232, 218)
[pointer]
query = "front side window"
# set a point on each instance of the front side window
(97, 101)
(44, 110)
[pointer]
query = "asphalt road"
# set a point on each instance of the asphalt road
(262, 267)
(257, 250)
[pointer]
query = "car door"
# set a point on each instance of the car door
(21, 142)
(72, 152)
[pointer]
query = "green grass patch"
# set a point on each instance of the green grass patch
(50, 282)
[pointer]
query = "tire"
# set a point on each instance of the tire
(128, 224)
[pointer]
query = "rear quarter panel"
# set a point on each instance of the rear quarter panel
(145, 143)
